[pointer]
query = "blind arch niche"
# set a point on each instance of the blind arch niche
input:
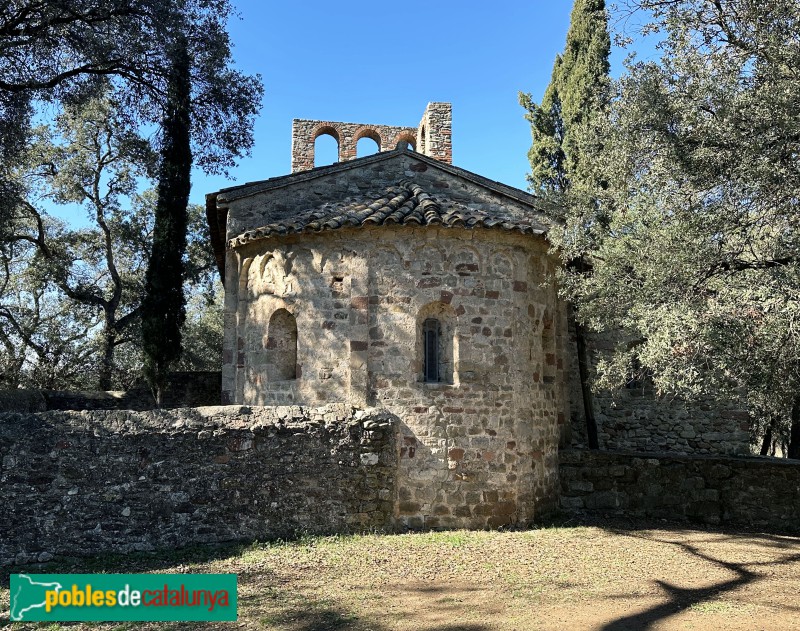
(281, 346)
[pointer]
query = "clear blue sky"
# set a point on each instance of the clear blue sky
(382, 62)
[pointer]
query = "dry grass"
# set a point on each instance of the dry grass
(583, 577)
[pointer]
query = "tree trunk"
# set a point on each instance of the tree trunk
(107, 361)
(586, 390)
(767, 442)
(794, 437)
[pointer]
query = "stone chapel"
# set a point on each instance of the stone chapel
(402, 282)
(399, 281)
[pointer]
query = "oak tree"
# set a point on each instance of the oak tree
(699, 263)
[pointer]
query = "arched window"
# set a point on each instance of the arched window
(406, 141)
(437, 351)
(431, 332)
(282, 346)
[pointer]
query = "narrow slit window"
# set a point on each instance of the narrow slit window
(430, 340)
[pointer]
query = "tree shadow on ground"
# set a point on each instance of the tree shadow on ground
(272, 604)
(613, 522)
(680, 598)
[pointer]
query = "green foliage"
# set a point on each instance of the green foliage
(44, 339)
(578, 91)
(66, 52)
(89, 157)
(71, 298)
(203, 330)
(697, 267)
(52, 341)
(15, 113)
(548, 175)
(164, 307)
(563, 129)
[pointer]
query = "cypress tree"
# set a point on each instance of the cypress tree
(548, 175)
(578, 90)
(164, 304)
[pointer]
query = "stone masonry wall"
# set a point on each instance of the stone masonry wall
(480, 451)
(742, 492)
(435, 133)
(635, 419)
(433, 136)
(76, 483)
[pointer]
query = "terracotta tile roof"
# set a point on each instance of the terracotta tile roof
(406, 204)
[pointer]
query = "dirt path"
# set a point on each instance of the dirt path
(609, 578)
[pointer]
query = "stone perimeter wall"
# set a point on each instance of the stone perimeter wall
(78, 483)
(741, 492)
(635, 419)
